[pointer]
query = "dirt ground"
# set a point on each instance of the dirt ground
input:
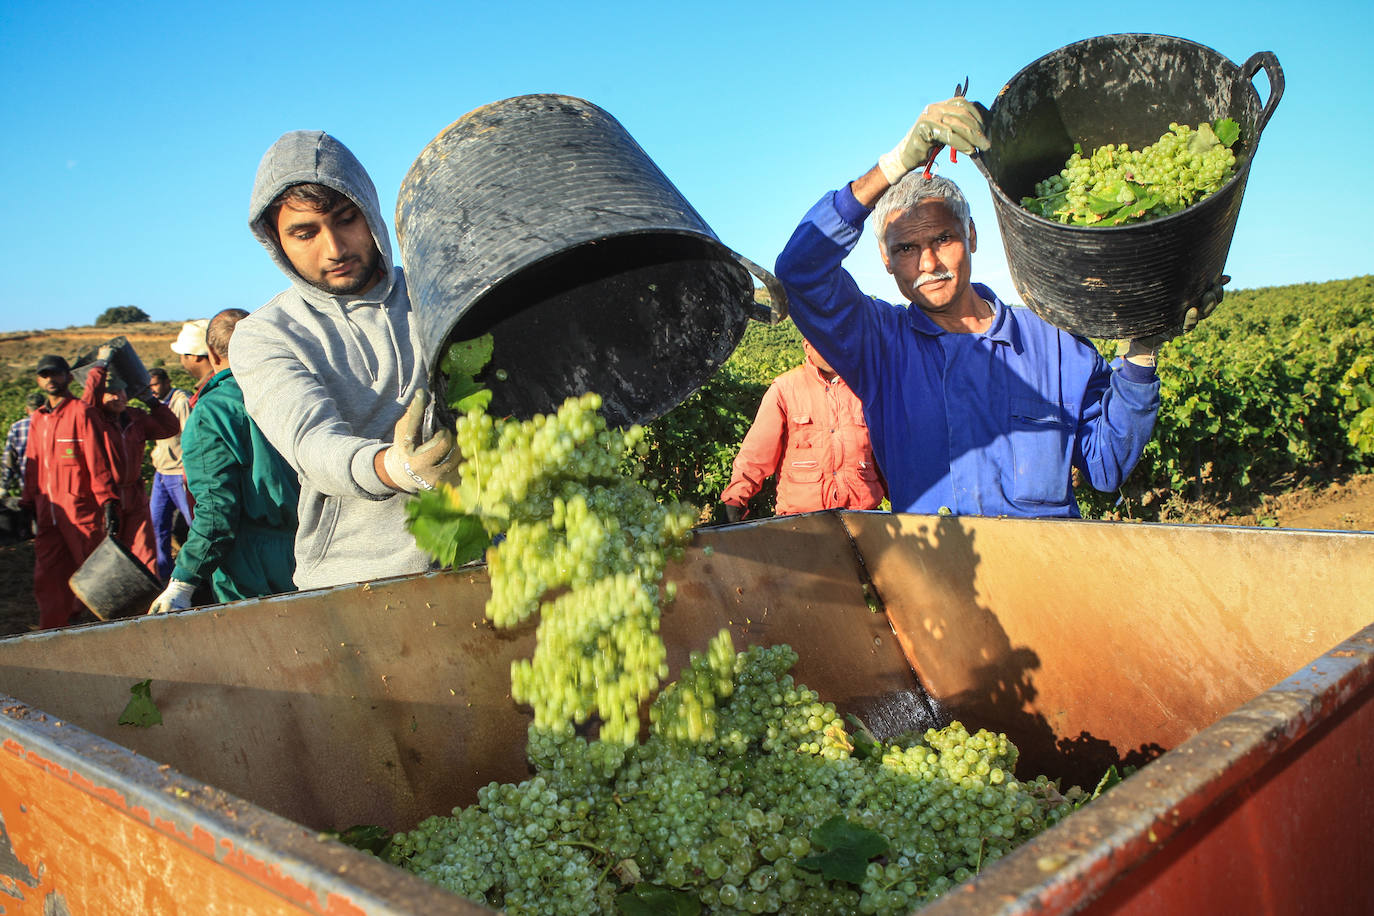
(1342, 506)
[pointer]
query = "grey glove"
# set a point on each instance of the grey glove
(956, 123)
(733, 513)
(414, 465)
(1142, 350)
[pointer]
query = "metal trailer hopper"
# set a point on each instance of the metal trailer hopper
(1238, 661)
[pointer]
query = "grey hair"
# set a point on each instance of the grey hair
(910, 191)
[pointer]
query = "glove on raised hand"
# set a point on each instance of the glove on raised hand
(112, 518)
(1142, 350)
(175, 597)
(104, 353)
(956, 123)
(416, 466)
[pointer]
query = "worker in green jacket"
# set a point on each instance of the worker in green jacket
(242, 535)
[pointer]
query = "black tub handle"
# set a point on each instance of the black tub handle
(777, 311)
(1265, 60)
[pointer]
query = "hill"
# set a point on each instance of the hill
(20, 350)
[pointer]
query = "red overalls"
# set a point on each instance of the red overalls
(124, 438)
(67, 478)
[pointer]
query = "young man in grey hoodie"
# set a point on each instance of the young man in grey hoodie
(331, 369)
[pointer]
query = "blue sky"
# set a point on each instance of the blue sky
(132, 132)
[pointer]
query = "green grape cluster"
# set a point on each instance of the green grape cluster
(1115, 185)
(734, 817)
(582, 542)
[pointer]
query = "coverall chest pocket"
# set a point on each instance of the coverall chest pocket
(69, 473)
(1041, 439)
(801, 432)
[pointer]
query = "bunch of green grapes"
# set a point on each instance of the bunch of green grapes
(1115, 185)
(581, 542)
(770, 808)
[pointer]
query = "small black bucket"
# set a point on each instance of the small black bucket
(1123, 281)
(124, 361)
(112, 583)
(539, 219)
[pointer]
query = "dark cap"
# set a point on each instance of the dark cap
(52, 363)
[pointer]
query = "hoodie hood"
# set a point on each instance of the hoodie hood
(313, 156)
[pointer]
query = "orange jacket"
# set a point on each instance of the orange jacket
(811, 433)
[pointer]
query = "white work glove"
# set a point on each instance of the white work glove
(416, 466)
(956, 123)
(175, 597)
(104, 353)
(1142, 350)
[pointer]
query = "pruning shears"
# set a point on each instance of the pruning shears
(959, 92)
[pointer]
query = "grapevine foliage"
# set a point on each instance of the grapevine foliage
(1278, 383)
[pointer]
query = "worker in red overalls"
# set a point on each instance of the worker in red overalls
(69, 486)
(810, 432)
(125, 430)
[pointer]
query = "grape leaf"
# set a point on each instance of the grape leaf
(367, 837)
(461, 365)
(141, 710)
(1227, 131)
(652, 900)
(865, 745)
(466, 358)
(1203, 140)
(450, 536)
(848, 847)
(464, 394)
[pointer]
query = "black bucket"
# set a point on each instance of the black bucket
(539, 219)
(1123, 281)
(124, 362)
(113, 584)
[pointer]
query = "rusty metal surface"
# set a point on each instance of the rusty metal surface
(88, 828)
(1096, 643)
(1266, 811)
(385, 702)
(364, 704)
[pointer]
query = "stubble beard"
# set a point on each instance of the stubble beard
(355, 286)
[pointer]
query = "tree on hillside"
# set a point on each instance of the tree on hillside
(121, 314)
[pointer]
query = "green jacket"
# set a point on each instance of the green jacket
(243, 529)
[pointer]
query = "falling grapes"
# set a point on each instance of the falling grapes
(749, 795)
(582, 543)
(1115, 185)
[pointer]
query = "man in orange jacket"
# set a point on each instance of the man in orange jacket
(69, 486)
(810, 432)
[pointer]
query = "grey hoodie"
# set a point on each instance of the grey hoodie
(326, 378)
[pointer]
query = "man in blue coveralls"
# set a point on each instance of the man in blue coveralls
(974, 408)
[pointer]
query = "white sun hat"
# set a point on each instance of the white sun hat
(191, 340)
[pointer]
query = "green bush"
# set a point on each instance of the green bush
(692, 447)
(1274, 386)
(121, 314)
